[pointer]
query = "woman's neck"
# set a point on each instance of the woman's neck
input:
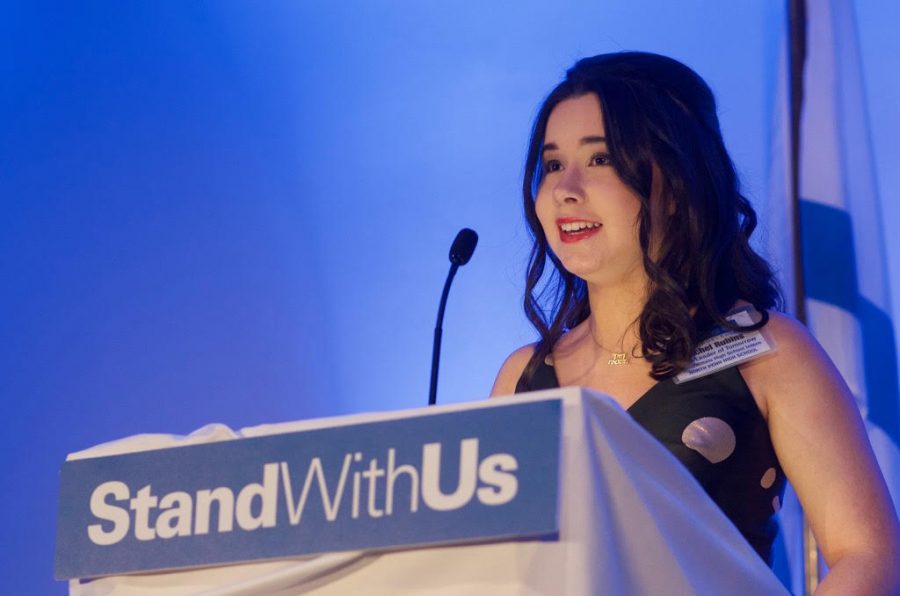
(615, 312)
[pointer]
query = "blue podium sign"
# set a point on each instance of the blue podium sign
(473, 475)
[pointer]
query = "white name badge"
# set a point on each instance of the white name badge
(726, 349)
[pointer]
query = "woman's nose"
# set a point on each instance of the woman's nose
(569, 188)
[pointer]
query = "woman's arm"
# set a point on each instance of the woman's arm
(509, 374)
(822, 445)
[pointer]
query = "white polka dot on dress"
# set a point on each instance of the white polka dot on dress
(768, 479)
(711, 437)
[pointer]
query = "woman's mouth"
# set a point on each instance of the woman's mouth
(575, 230)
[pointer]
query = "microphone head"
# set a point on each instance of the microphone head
(463, 246)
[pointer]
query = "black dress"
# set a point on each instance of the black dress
(714, 427)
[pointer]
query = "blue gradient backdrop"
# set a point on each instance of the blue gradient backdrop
(240, 212)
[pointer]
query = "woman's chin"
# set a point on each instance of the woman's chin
(587, 271)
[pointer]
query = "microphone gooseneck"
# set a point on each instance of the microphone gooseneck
(460, 253)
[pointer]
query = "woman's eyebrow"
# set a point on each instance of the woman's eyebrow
(592, 140)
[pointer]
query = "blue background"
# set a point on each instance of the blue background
(240, 212)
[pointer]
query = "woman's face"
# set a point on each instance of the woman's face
(589, 216)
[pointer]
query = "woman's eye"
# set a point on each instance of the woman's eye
(601, 159)
(552, 165)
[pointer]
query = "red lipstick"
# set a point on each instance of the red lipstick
(573, 229)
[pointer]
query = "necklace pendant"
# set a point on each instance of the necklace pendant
(618, 358)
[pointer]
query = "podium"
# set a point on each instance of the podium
(625, 518)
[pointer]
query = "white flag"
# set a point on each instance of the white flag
(844, 259)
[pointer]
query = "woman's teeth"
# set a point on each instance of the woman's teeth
(578, 226)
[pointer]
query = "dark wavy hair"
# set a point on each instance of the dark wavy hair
(657, 114)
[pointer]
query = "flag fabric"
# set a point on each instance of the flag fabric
(844, 258)
(843, 250)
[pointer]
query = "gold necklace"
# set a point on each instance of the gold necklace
(618, 358)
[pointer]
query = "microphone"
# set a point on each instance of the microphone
(460, 253)
(463, 246)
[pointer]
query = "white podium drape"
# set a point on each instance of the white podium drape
(632, 521)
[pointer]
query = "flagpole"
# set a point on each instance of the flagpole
(797, 36)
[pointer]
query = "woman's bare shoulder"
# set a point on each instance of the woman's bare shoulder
(796, 363)
(821, 442)
(512, 368)
(791, 343)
